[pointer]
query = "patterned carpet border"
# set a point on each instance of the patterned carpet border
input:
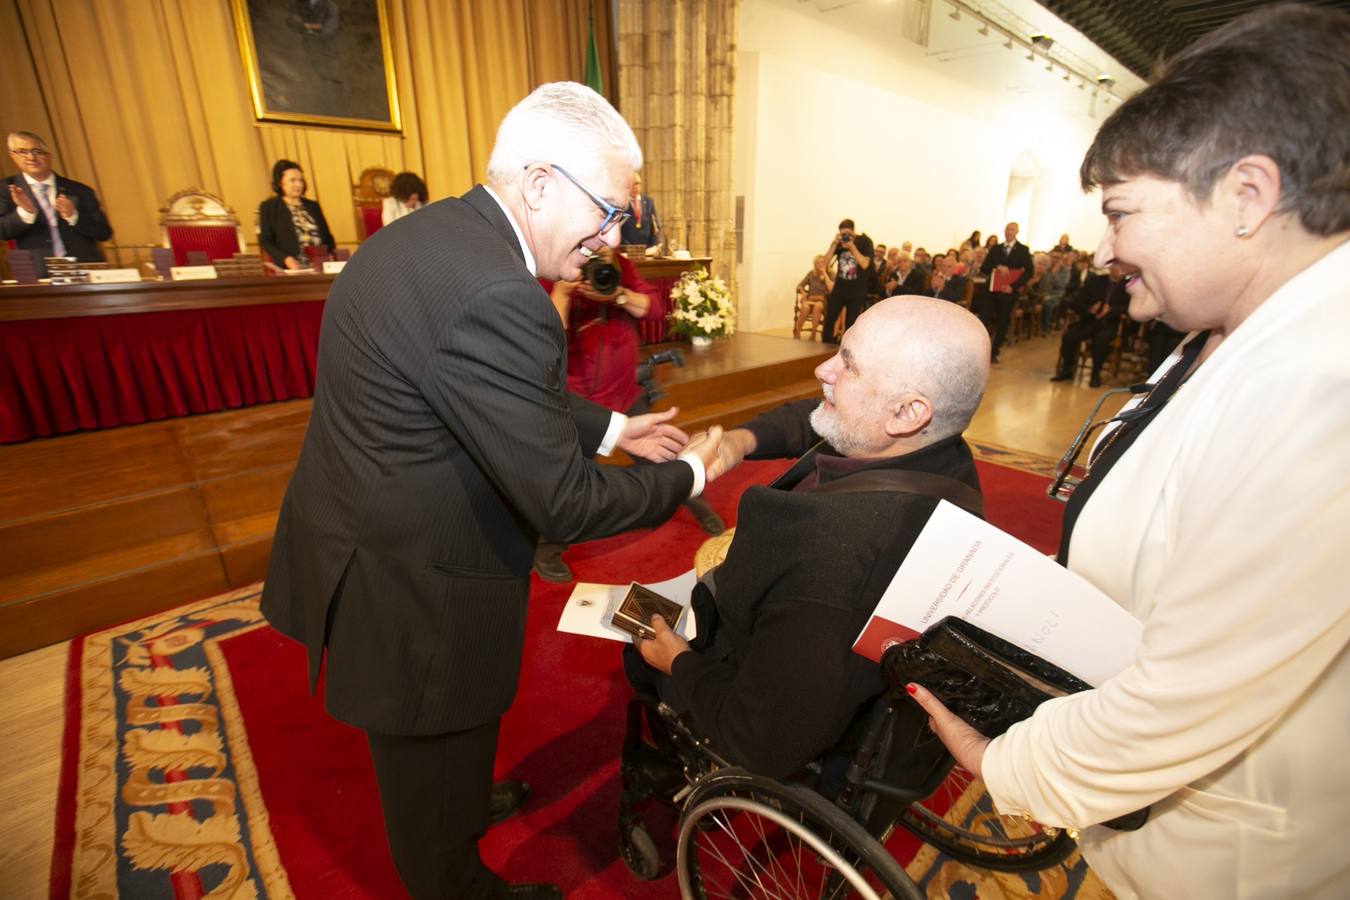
(1021, 460)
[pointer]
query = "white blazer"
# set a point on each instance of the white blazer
(1225, 528)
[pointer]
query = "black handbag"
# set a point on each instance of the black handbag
(987, 681)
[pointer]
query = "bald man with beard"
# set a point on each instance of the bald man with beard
(774, 681)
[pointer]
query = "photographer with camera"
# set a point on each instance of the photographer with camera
(600, 312)
(851, 256)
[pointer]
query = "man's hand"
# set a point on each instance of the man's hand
(736, 445)
(21, 200)
(651, 436)
(706, 447)
(659, 652)
(64, 206)
(965, 744)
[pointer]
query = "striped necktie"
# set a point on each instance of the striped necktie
(58, 246)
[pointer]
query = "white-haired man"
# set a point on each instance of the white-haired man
(814, 551)
(46, 213)
(441, 444)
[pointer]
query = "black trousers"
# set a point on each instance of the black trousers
(1000, 307)
(434, 792)
(1098, 331)
(834, 304)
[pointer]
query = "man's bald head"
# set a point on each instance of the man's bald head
(910, 372)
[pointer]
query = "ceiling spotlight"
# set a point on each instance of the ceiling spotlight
(984, 30)
(1050, 67)
(1082, 84)
(955, 14)
(1106, 81)
(1066, 74)
(1031, 55)
(1044, 41)
(1007, 45)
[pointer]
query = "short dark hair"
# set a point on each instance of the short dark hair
(280, 168)
(1273, 82)
(405, 184)
(846, 223)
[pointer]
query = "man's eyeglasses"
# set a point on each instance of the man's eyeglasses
(613, 214)
(31, 152)
(1068, 474)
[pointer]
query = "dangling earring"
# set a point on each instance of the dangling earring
(1241, 231)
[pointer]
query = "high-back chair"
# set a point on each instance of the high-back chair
(368, 199)
(194, 220)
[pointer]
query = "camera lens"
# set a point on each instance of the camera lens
(603, 277)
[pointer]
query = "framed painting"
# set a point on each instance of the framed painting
(319, 62)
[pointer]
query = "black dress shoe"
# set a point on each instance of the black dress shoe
(506, 799)
(533, 892)
(552, 568)
(1060, 377)
(1096, 381)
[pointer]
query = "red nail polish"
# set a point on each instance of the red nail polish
(911, 688)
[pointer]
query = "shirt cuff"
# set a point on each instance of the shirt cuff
(612, 434)
(26, 217)
(700, 476)
(74, 217)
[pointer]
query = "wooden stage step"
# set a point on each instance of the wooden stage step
(104, 526)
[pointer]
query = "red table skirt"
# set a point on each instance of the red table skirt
(63, 375)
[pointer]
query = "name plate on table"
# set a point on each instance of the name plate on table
(333, 266)
(192, 273)
(113, 276)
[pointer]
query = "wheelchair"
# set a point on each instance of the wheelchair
(821, 833)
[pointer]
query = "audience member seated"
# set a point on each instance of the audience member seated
(907, 279)
(45, 213)
(947, 283)
(1100, 305)
(811, 293)
(407, 192)
(1063, 246)
(642, 228)
(290, 221)
(1054, 282)
(602, 363)
(774, 681)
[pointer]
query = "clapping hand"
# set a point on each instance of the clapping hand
(652, 438)
(64, 206)
(21, 199)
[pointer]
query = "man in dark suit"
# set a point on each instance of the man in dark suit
(641, 227)
(440, 446)
(997, 306)
(46, 214)
(907, 279)
(774, 681)
(1099, 305)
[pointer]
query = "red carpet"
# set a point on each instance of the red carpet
(289, 801)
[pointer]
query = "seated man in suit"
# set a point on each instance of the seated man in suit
(46, 214)
(907, 279)
(1100, 304)
(774, 681)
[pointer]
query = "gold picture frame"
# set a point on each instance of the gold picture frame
(311, 62)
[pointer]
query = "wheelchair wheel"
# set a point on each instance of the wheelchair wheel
(638, 851)
(749, 837)
(980, 836)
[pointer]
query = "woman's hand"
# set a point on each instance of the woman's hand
(293, 263)
(965, 744)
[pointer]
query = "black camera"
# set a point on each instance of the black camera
(845, 237)
(603, 277)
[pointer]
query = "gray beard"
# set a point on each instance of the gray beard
(827, 425)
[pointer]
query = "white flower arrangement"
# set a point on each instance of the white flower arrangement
(701, 306)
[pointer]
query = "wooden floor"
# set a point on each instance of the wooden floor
(1021, 410)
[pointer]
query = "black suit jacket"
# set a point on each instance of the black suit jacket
(913, 283)
(799, 583)
(1018, 258)
(647, 234)
(81, 240)
(276, 231)
(440, 445)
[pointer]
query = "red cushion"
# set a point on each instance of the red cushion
(217, 241)
(371, 219)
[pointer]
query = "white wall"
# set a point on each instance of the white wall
(830, 125)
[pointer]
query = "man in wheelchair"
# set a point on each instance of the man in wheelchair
(771, 681)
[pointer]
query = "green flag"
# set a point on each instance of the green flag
(593, 80)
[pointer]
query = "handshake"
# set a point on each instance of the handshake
(653, 438)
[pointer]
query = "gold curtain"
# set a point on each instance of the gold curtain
(676, 83)
(144, 98)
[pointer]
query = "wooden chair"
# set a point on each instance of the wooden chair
(194, 220)
(368, 199)
(798, 313)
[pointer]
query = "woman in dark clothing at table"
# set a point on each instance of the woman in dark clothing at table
(289, 222)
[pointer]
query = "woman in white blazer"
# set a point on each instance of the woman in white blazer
(1219, 513)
